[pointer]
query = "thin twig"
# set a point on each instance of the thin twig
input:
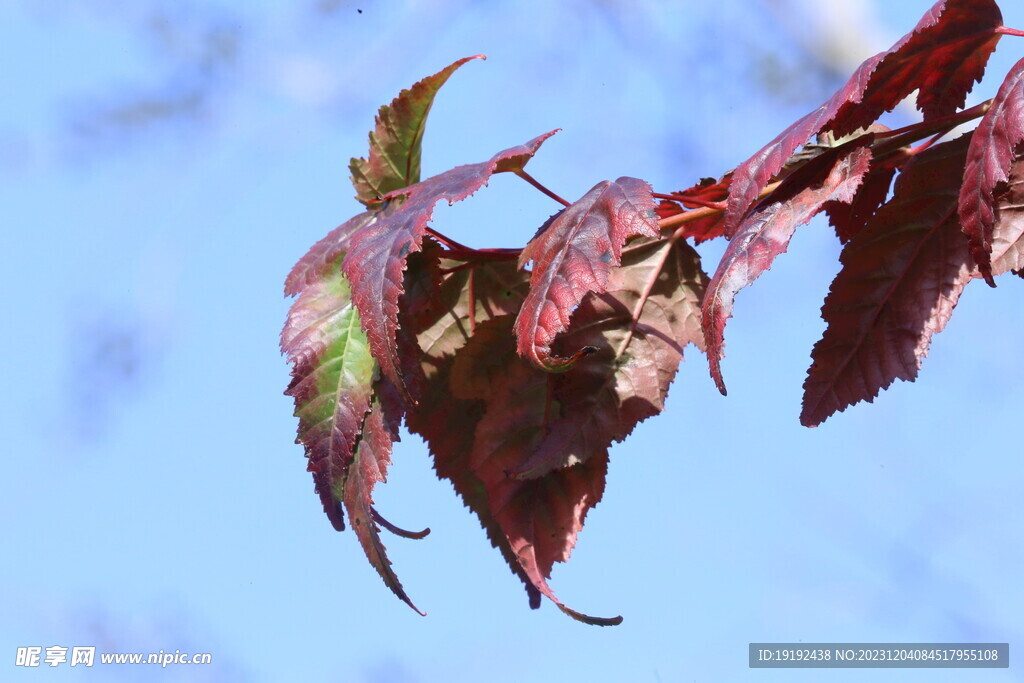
(530, 179)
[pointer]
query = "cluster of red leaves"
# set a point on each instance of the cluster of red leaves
(521, 368)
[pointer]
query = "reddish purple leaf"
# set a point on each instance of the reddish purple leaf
(942, 58)
(988, 164)
(483, 419)
(377, 252)
(396, 141)
(767, 233)
(639, 342)
(369, 467)
(573, 256)
(901, 277)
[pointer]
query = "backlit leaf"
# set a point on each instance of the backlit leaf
(1008, 231)
(396, 141)
(901, 277)
(332, 376)
(767, 233)
(498, 398)
(639, 342)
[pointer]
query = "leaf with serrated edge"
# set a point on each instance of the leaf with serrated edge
(767, 233)
(988, 164)
(377, 253)
(626, 380)
(395, 142)
(901, 278)
(533, 523)
(369, 467)
(573, 256)
(332, 375)
(324, 254)
(540, 517)
(942, 58)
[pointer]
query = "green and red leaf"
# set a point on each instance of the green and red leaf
(332, 378)
(396, 141)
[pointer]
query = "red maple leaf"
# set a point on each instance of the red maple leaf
(1008, 231)
(369, 467)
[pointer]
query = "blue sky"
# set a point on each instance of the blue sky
(163, 164)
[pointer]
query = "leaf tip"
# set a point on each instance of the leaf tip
(587, 619)
(716, 374)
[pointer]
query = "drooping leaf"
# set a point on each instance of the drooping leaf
(481, 417)
(639, 328)
(369, 467)
(332, 376)
(448, 424)
(377, 252)
(941, 58)
(988, 164)
(395, 142)
(573, 256)
(830, 177)
(901, 277)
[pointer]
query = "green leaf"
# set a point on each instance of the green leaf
(332, 378)
(395, 143)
